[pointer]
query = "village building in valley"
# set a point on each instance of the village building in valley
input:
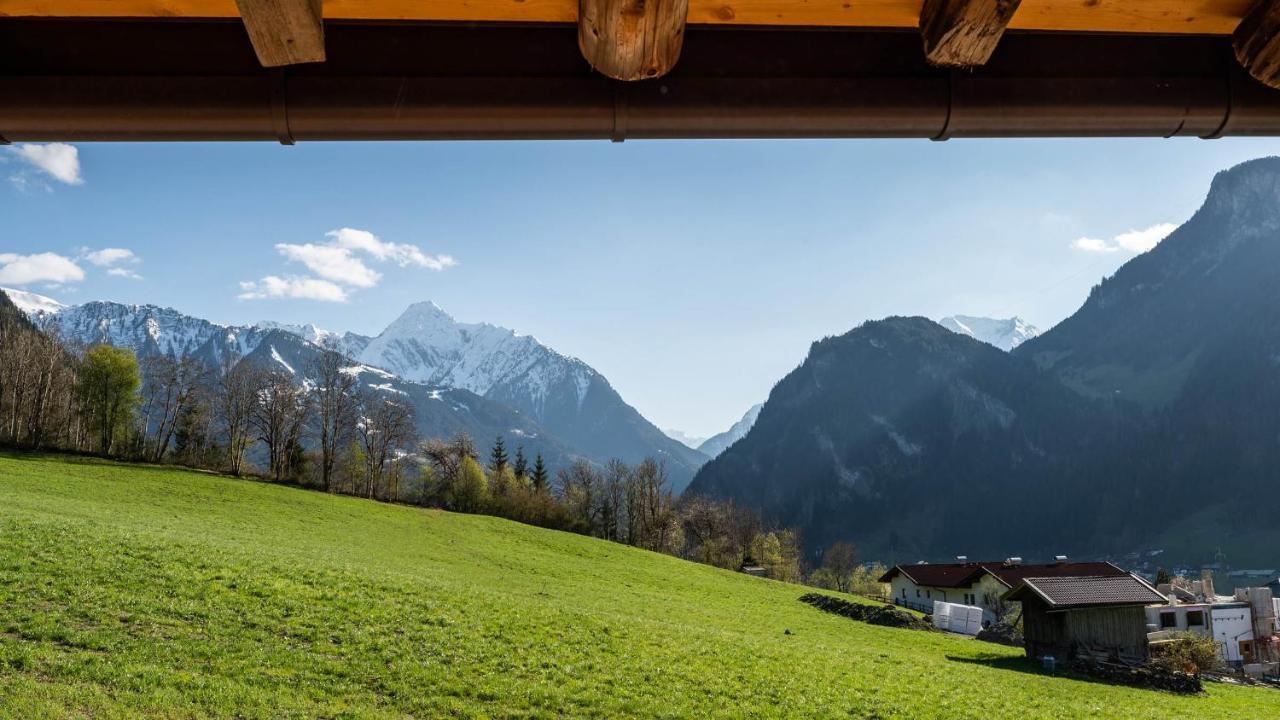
(979, 584)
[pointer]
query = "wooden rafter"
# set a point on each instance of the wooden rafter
(1257, 42)
(632, 39)
(964, 33)
(284, 32)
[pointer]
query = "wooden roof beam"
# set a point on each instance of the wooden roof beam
(1257, 42)
(632, 39)
(284, 32)
(964, 33)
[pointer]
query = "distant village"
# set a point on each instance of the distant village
(1063, 611)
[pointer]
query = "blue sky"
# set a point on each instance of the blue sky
(692, 274)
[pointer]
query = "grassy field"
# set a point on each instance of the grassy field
(133, 591)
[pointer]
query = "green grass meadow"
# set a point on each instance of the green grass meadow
(130, 591)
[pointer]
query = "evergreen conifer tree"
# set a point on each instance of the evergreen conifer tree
(539, 477)
(521, 466)
(498, 456)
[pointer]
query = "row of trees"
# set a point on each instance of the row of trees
(329, 433)
(325, 431)
(50, 397)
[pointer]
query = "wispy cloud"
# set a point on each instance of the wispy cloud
(1093, 245)
(293, 287)
(107, 257)
(123, 273)
(1134, 241)
(59, 161)
(401, 254)
(44, 267)
(114, 261)
(340, 264)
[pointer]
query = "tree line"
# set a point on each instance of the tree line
(328, 432)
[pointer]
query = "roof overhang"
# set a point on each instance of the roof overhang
(78, 80)
(1205, 17)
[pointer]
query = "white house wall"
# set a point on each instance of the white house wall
(1230, 626)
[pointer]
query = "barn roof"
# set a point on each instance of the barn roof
(1062, 593)
(954, 575)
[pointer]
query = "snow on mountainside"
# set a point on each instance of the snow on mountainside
(717, 444)
(35, 306)
(427, 345)
(147, 329)
(514, 382)
(562, 393)
(349, 343)
(1005, 334)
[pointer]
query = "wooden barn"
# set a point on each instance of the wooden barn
(1099, 617)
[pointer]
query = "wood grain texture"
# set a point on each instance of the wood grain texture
(1203, 17)
(964, 33)
(1257, 42)
(632, 39)
(284, 32)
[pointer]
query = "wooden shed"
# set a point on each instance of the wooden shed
(1099, 617)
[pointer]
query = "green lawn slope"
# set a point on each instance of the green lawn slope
(143, 592)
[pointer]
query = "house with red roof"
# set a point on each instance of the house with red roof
(979, 584)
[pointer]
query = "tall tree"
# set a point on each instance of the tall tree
(445, 458)
(498, 456)
(109, 382)
(386, 427)
(521, 465)
(277, 414)
(468, 492)
(235, 396)
(169, 386)
(335, 410)
(840, 560)
(540, 478)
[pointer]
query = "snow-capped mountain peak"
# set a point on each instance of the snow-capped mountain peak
(32, 304)
(425, 344)
(1006, 334)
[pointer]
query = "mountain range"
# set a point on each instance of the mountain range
(1145, 420)
(479, 378)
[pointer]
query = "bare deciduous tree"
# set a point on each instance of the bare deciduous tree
(384, 428)
(277, 415)
(335, 410)
(236, 394)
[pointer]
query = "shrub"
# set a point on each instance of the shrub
(1187, 652)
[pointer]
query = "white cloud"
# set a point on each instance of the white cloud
(38, 268)
(332, 263)
(1134, 241)
(112, 259)
(1093, 245)
(124, 273)
(340, 264)
(107, 257)
(1140, 241)
(299, 288)
(57, 160)
(401, 254)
